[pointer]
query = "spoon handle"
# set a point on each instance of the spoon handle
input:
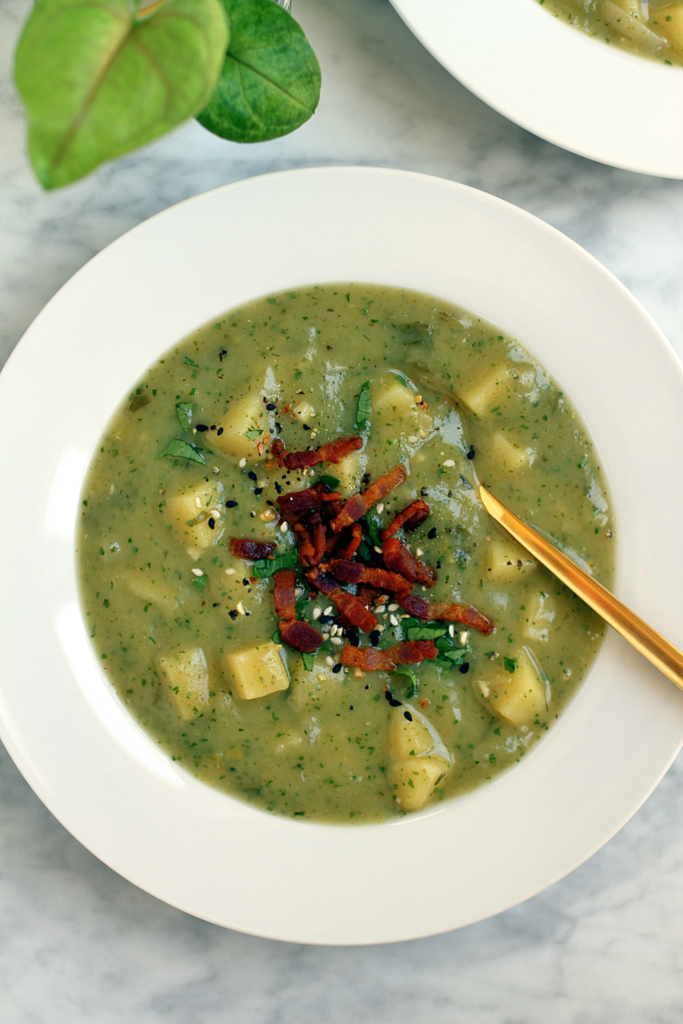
(667, 658)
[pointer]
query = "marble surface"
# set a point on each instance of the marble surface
(77, 942)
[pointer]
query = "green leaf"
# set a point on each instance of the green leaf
(364, 407)
(309, 661)
(456, 657)
(409, 671)
(267, 566)
(180, 449)
(270, 81)
(183, 411)
(252, 434)
(329, 481)
(510, 664)
(373, 532)
(99, 77)
(426, 632)
(189, 362)
(199, 582)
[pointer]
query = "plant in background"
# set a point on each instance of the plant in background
(99, 78)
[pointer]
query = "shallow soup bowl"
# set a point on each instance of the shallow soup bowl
(96, 769)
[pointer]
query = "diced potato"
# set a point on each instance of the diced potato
(408, 738)
(627, 20)
(669, 21)
(246, 414)
(256, 671)
(186, 675)
(348, 471)
(540, 615)
(416, 780)
(311, 689)
(517, 696)
(193, 511)
(487, 391)
(303, 411)
(506, 560)
(154, 589)
(395, 402)
(510, 457)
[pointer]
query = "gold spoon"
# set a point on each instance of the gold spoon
(663, 655)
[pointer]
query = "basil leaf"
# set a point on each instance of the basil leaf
(183, 411)
(99, 77)
(373, 532)
(180, 449)
(426, 632)
(329, 481)
(364, 551)
(364, 406)
(199, 583)
(309, 661)
(510, 664)
(455, 658)
(270, 81)
(267, 566)
(409, 671)
(189, 362)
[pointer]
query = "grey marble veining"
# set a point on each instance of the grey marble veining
(77, 942)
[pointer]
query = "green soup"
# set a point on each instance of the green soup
(187, 631)
(653, 29)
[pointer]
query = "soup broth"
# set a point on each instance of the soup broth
(653, 29)
(181, 610)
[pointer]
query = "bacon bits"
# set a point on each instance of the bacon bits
(277, 450)
(335, 451)
(284, 594)
(410, 518)
(464, 613)
(399, 559)
(301, 636)
(354, 572)
(359, 504)
(298, 504)
(349, 549)
(372, 660)
(348, 604)
(252, 550)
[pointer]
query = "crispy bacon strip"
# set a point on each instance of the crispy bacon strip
(410, 518)
(301, 636)
(348, 604)
(373, 660)
(367, 595)
(277, 450)
(284, 594)
(252, 550)
(355, 572)
(349, 550)
(464, 613)
(335, 451)
(399, 559)
(312, 543)
(359, 504)
(300, 503)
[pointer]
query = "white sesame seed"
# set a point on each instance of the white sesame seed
(196, 572)
(393, 620)
(380, 507)
(317, 613)
(334, 630)
(198, 501)
(283, 527)
(336, 640)
(393, 607)
(230, 572)
(216, 470)
(405, 616)
(423, 432)
(240, 608)
(328, 610)
(412, 439)
(380, 609)
(242, 463)
(451, 630)
(449, 463)
(380, 628)
(262, 483)
(378, 550)
(419, 551)
(329, 661)
(464, 637)
(216, 513)
(326, 636)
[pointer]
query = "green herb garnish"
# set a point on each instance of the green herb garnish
(200, 582)
(267, 566)
(183, 411)
(510, 664)
(329, 481)
(252, 434)
(426, 632)
(309, 661)
(409, 671)
(189, 362)
(373, 532)
(364, 406)
(180, 449)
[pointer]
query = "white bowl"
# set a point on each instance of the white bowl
(561, 84)
(93, 765)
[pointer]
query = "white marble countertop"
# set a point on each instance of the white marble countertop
(77, 942)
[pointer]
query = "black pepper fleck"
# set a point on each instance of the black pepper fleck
(471, 453)
(305, 426)
(366, 479)
(424, 491)
(351, 707)
(432, 533)
(233, 613)
(258, 491)
(252, 475)
(374, 637)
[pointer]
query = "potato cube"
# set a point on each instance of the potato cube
(186, 676)
(408, 737)
(192, 512)
(311, 689)
(669, 21)
(489, 390)
(505, 454)
(395, 403)
(245, 415)
(256, 671)
(518, 696)
(540, 615)
(348, 471)
(417, 779)
(153, 589)
(303, 411)
(506, 560)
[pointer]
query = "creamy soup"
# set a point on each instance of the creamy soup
(653, 29)
(254, 598)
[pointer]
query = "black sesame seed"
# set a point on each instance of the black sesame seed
(354, 640)
(215, 605)
(270, 406)
(392, 700)
(465, 667)
(324, 619)
(212, 524)
(407, 714)
(424, 491)
(367, 686)
(374, 637)
(201, 427)
(223, 352)
(278, 427)
(305, 426)
(438, 563)
(252, 475)
(278, 488)
(366, 479)
(231, 504)
(351, 707)
(245, 581)
(471, 453)
(432, 533)
(233, 613)
(219, 431)
(337, 667)
(212, 427)
(258, 491)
